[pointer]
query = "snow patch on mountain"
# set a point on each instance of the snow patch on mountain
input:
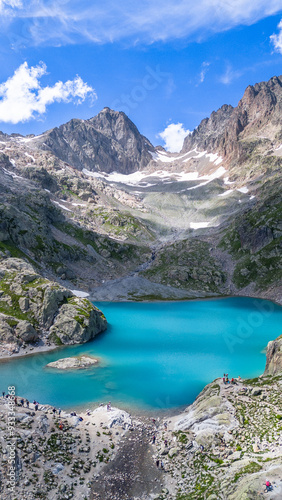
(79, 293)
(198, 225)
(243, 190)
(29, 139)
(164, 157)
(30, 156)
(141, 178)
(62, 206)
(226, 193)
(227, 182)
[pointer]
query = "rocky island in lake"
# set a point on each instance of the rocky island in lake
(74, 363)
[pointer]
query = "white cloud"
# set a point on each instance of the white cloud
(277, 39)
(22, 97)
(7, 7)
(204, 69)
(70, 21)
(229, 75)
(173, 136)
(10, 3)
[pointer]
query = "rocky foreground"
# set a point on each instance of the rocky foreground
(224, 446)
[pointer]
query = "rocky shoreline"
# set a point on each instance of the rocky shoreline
(223, 446)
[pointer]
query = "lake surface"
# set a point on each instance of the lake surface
(154, 355)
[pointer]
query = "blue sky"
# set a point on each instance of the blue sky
(163, 63)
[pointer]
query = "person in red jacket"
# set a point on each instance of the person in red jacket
(268, 485)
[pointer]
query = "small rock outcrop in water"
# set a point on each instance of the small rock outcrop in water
(34, 309)
(274, 357)
(75, 363)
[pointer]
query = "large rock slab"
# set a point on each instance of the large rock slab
(208, 415)
(74, 363)
(274, 357)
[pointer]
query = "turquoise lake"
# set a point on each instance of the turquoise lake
(154, 356)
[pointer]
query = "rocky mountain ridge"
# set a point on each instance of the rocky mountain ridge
(147, 233)
(107, 142)
(258, 115)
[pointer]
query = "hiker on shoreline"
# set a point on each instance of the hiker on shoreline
(268, 486)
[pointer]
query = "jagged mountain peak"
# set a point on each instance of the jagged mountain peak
(258, 114)
(107, 142)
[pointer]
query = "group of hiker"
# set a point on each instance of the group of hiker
(226, 380)
(23, 402)
(20, 402)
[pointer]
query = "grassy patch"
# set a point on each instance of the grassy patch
(248, 469)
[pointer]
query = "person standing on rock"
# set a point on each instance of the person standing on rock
(3, 394)
(157, 463)
(154, 439)
(268, 486)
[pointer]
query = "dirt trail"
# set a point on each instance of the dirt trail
(133, 473)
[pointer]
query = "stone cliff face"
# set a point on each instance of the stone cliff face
(108, 142)
(34, 309)
(274, 357)
(258, 113)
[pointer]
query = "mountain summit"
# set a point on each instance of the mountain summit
(108, 142)
(92, 202)
(257, 116)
